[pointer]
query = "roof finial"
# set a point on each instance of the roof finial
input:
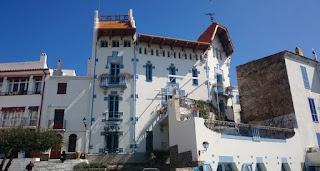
(211, 14)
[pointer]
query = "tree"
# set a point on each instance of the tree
(15, 140)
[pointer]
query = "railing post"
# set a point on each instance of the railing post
(255, 133)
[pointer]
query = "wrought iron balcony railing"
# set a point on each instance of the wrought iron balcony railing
(15, 122)
(224, 91)
(19, 93)
(57, 124)
(107, 81)
(246, 130)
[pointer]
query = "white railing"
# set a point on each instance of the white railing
(107, 81)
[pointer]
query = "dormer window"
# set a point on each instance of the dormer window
(126, 43)
(115, 43)
(104, 43)
(218, 54)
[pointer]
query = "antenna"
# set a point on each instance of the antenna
(211, 14)
(99, 5)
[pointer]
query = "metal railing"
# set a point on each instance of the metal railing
(114, 18)
(255, 131)
(19, 93)
(113, 116)
(107, 81)
(15, 122)
(226, 91)
(57, 124)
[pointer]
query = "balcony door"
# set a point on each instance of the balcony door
(113, 107)
(58, 119)
(114, 72)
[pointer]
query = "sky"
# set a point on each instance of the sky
(63, 28)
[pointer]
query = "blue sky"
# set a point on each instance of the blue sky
(63, 29)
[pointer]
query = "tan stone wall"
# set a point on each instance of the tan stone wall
(264, 90)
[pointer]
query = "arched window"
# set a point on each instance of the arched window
(72, 143)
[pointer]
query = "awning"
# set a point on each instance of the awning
(12, 108)
(33, 108)
(17, 78)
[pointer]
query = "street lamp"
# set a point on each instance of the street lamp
(84, 120)
(205, 145)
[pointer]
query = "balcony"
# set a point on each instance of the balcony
(107, 81)
(249, 132)
(58, 125)
(113, 118)
(16, 122)
(20, 93)
(223, 91)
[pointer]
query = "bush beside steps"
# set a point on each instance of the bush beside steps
(90, 167)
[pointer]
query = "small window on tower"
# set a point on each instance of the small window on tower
(157, 52)
(145, 50)
(115, 43)
(104, 43)
(179, 55)
(174, 55)
(62, 88)
(140, 50)
(168, 54)
(126, 43)
(151, 51)
(190, 56)
(164, 53)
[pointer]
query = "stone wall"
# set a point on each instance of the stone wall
(264, 90)
(181, 160)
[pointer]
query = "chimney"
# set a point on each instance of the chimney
(43, 60)
(314, 55)
(299, 51)
(89, 67)
(59, 68)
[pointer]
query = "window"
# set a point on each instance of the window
(238, 99)
(222, 107)
(190, 56)
(112, 140)
(115, 43)
(149, 141)
(151, 51)
(58, 122)
(163, 53)
(219, 78)
(145, 51)
(113, 108)
(13, 117)
(62, 88)
(179, 55)
(172, 71)
(33, 115)
(168, 54)
(285, 167)
(114, 72)
(200, 57)
(185, 56)
(174, 55)
(18, 86)
(196, 57)
(305, 77)
(104, 43)
(37, 86)
(126, 43)
(194, 74)
(72, 143)
(157, 52)
(313, 110)
(225, 167)
(140, 50)
(218, 54)
(149, 72)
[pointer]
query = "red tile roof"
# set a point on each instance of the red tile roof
(222, 32)
(115, 25)
(173, 42)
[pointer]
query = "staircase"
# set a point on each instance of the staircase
(51, 165)
(55, 164)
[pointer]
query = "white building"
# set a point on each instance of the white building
(149, 69)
